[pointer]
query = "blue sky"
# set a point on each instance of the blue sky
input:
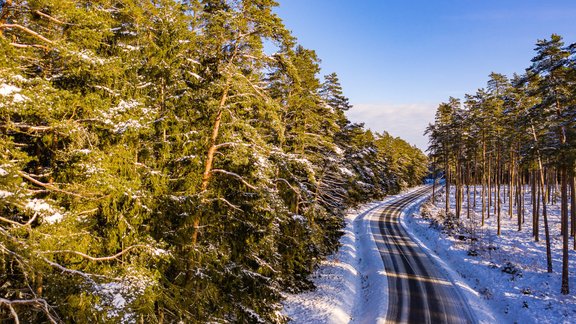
(398, 59)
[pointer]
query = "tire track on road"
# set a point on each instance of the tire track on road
(419, 292)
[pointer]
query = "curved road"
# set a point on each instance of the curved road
(419, 291)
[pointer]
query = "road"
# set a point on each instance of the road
(419, 291)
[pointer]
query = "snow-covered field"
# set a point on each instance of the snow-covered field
(508, 271)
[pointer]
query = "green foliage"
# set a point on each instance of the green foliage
(110, 209)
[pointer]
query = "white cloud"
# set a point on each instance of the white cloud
(407, 121)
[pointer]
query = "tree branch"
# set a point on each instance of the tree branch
(297, 192)
(34, 128)
(235, 176)
(31, 302)
(29, 45)
(28, 31)
(40, 13)
(10, 221)
(97, 259)
(46, 185)
(228, 203)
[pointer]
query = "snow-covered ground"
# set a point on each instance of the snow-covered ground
(339, 279)
(352, 285)
(507, 271)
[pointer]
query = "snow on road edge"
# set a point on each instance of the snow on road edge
(372, 301)
(339, 279)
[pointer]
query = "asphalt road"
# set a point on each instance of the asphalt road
(419, 291)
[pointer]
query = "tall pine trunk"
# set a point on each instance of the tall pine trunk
(497, 198)
(483, 180)
(208, 165)
(447, 176)
(534, 206)
(519, 204)
(573, 206)
(565, 237)
(468, 190)
(434, 183)
(511, 187)
(545, 216)
(457, 189)
(489, 188)
(544, 212)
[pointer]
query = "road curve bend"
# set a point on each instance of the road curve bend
(419, 291)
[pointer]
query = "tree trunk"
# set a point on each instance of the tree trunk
(545, 216)
(534, 206)
(468, 190)
(483, 180)
(489, 189)
(433, 182)
(497, 198)
(519, 194)
(544, 212)
(573, 206)
(475, 181)
(210, 158)
(538, 195)
(457, 190)
(447, 176)
(511, 187)
(565, 237)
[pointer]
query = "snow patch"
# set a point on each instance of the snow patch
(41, 207)
(89, 57)
(129, 48)
(299, 218)
(160, 252)
(347, 171)
(113, 114)
(338, 150)
(84, 151)
(11, 90)
(116, 297)
(19, 98)
(6, 89)
(55, 218)
(19, 78)
(195, 75)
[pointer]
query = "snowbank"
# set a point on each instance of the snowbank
(339, 279)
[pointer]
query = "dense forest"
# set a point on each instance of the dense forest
(166, 160)
(516, 140)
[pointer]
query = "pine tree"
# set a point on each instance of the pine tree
(550, 64)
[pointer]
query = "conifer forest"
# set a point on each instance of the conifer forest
(183, 161)
(512, 145)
